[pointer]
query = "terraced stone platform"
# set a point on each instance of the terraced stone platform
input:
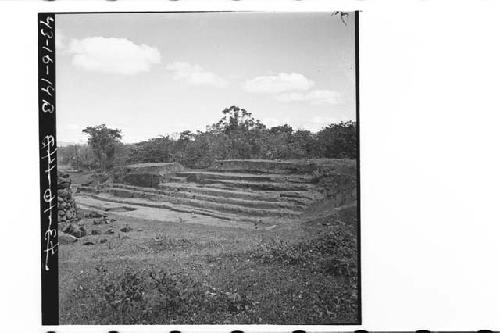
(234, 190)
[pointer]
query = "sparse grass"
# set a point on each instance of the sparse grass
(192, 274)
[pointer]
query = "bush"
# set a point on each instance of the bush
(79, 157)
(338, 186)
(338, 140)
(334, 253)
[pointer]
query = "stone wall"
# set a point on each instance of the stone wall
(66, 206)
(146, 174)
(141, 179)
(305, 166)
(161, 169)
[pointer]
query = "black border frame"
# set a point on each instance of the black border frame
(48, 159)
(356, 66)
(48, 168)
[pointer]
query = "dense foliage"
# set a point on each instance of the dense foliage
(237, 135)
(103, 141)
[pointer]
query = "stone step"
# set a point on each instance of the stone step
(179, 196)
(176, 179)
(200, 176)
(264, 166)
(213, 190)
(300, 197)
(211, 207)
(297, 166)
(84, 188)
(169, 216)
(260, 186)
(189, 189)
(137, 203)
(237, 206)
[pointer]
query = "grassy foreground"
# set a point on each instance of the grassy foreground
(302, 272)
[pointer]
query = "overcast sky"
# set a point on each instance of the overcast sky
(157, 74)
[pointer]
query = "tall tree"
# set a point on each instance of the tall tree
(236, 118)
(103, 141)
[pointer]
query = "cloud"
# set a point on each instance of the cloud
(316, 97)
(112, 55)
(282, 82)
(194, 74)
(291, 87)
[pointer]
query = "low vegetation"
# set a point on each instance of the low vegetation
(282, 279)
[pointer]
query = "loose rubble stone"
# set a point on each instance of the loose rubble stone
(126, 229)
(66, 205)
(94, 214)
(76, 230)
(110, 231)
(65, 239)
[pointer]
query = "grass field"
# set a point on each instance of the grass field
(302, 272)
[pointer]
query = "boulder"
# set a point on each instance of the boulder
(126, 229)
(65, 239)
(76, 230)
(110, 231)
(94, 214)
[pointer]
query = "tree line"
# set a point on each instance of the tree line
(237, 135)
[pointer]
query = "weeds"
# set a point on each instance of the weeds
(151, 296)
(334, 253)
(313, 281)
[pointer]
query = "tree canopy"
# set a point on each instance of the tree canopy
(103, 141)
(237, 135)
